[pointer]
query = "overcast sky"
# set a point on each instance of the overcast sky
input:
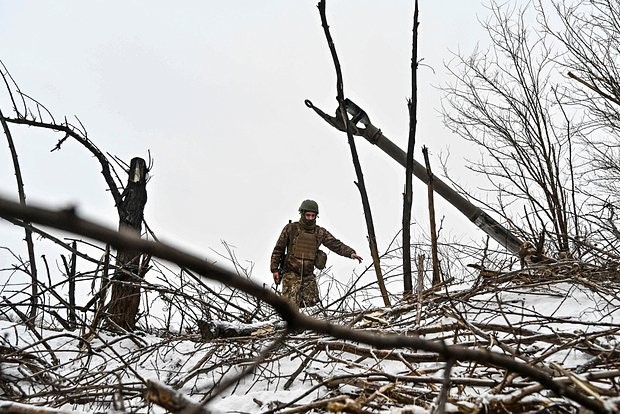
(215, 91)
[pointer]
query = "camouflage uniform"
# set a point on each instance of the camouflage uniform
(302, 291)
(298, 280)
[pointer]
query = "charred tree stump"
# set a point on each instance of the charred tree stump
(125, 297)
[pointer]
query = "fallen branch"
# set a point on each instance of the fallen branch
(9, 407)
(171, 399)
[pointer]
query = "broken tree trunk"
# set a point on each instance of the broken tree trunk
(125, 297)
(409, 164)
(433, 225)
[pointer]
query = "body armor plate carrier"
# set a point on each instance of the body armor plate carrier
(305, 246)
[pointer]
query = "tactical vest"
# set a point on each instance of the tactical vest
(305, 244)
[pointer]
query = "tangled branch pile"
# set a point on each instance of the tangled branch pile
(237, 356)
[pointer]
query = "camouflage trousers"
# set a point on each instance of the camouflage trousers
(302, 292)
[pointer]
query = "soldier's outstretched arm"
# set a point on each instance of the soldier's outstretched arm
(337, 246)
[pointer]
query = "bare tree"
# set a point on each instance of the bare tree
(547, 120)
(505, 102)
(129, 200)
(131, 265)
(412, 104)
(588, 32)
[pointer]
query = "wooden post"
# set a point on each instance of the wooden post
(125, 297)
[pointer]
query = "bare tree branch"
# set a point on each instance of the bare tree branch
(22, 200)
(361, 186)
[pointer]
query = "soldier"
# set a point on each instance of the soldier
(297, 253)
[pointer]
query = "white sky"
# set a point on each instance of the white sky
(215, 91)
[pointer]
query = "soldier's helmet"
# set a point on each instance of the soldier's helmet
(309, 205)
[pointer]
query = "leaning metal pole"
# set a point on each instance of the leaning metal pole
(374, 135)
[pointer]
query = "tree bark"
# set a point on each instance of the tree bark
(125, 297)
